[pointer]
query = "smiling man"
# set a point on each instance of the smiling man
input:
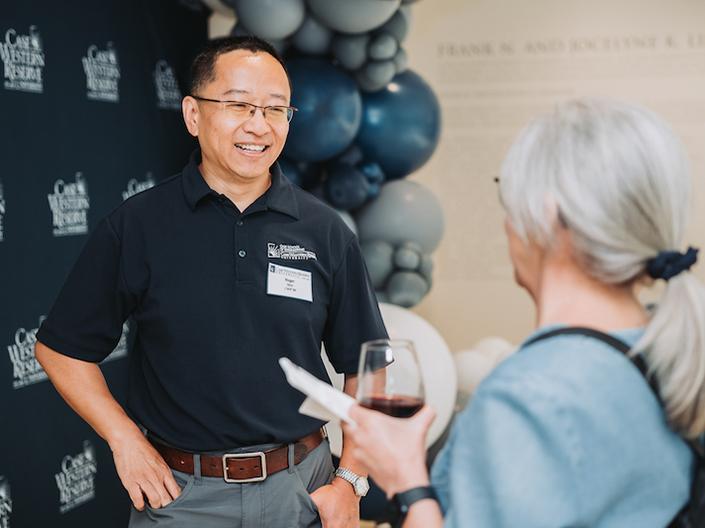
(223, 268)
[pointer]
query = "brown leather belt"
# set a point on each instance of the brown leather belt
(240, 467)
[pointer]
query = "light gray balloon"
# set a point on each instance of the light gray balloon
(404, 211)
(382, 46)
(350, 50)
(357, 16)
(378, 259)
(426, 267)
(312, 37)
(375, 75)
(400, 60)
(406, 258)
(398, 25)
(271, 19)
(406, 288)
(381, 296)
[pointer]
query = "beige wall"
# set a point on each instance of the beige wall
(495, 63)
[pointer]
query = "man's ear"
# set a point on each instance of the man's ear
(190, 111)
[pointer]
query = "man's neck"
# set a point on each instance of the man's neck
(241, 191)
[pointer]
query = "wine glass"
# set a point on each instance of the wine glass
(389, 378)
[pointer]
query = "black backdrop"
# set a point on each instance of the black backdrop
(90, 113)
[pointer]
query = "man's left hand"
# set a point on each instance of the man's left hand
(337, 505)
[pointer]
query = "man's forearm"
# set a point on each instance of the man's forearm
(83, 386)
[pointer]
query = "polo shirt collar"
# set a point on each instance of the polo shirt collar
(279, 197)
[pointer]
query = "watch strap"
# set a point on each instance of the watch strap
(405, 499)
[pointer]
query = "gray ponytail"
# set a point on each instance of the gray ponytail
(620, 181)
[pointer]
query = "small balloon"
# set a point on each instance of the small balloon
(348, 219)
(312, 37)
(401, 60)
(382, 46)
(359, 16)
(346, 187)
(375, 75)
(406, 288)
(271, 19)
(350, 50)
(406, 258)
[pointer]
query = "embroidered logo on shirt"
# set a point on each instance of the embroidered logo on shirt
(288, 252)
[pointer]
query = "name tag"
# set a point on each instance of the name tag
(289, 282)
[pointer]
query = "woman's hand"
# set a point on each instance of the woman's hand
(392, 449)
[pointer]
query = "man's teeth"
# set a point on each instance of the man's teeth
(251, 148)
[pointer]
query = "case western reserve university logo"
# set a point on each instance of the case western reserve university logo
(76, 480)
(2, 213)
(168, 93)
(26, 370)
(5, 503)
(69, 206)
(289, 252)
(135, 186)
(102, 73)
(23, 58)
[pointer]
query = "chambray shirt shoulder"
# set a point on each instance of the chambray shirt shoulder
(563, 433)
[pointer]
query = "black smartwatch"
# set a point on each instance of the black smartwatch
(403, 501)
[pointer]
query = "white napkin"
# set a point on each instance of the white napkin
(324, 402)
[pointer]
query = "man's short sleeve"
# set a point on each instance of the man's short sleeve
(353, 315)
(87, 317)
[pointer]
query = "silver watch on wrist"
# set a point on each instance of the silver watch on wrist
(359, 483)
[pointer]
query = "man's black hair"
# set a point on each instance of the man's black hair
(203, 66)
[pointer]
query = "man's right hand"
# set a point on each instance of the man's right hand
(143, 472)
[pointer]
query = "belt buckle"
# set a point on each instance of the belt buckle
(263, 465)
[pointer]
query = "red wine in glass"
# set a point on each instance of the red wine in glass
(395, 405)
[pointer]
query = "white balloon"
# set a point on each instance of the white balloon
(437, 366)
(475, 364)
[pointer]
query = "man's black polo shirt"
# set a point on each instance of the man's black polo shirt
(193, 273)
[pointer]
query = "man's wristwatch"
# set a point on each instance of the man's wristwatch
(359, 483)
(403, 501)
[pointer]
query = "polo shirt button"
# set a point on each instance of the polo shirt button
(242, 253)
(240, 222)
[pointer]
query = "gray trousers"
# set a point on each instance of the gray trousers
(282, 500)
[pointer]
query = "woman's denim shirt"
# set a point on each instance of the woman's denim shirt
(565, 432)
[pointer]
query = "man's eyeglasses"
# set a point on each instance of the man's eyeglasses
(275, 114)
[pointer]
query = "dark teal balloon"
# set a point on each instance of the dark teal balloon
(400, 125)
(346, 187)
(330, 110)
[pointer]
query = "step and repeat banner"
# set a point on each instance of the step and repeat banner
(90, 98)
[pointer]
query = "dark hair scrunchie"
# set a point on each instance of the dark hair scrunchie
(668, 264)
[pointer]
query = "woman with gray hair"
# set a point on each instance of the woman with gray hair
(567, 432)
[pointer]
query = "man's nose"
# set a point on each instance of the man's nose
(256, 123)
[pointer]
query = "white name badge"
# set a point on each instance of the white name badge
(289, 282)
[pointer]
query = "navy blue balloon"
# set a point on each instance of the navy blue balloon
(303, 174)
(346, 187)
(400, 125)
(330, 110)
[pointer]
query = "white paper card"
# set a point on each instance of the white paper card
(324, 402)
(289, 282)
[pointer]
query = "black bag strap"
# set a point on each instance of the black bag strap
(637, 360)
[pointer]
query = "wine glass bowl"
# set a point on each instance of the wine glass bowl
(389, 378)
